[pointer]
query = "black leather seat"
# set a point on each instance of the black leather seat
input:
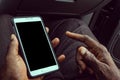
(68, 7)
(114, 45)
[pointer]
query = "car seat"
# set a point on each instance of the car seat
(114, 45)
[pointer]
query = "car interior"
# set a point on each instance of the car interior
(102, 16)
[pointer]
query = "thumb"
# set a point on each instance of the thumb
(13, 47)
(89, 57)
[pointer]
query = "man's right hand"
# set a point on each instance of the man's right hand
(95, 57)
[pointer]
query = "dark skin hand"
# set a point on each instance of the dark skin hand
(15, 68)
(95, 58)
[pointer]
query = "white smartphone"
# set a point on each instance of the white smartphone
(35, 45)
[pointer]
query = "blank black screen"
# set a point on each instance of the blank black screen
(35, 44)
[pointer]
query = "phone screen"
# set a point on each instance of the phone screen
(36, 46)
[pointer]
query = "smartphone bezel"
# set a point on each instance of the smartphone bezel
(37, 72)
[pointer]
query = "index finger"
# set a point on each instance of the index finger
(84, 38)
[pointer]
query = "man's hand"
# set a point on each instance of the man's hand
(95, 57)
(15, 68)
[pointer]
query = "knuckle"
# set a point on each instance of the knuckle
(103, 48)
(86, 37)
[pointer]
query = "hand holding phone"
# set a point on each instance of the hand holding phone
(35, 45)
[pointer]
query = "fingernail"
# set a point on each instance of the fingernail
(12, 36)
(68, 32)
(82, 50)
